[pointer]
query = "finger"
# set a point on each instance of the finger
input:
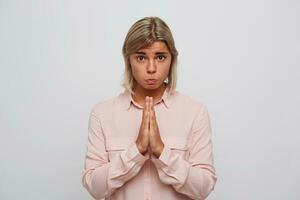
(145, 114)
(151, 110)
(149, 104)
(151, 119)
(147, 111)
(144, 110)
(152, 106)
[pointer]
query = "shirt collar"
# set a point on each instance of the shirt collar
(166, 99)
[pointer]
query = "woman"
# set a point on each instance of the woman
(149, 142)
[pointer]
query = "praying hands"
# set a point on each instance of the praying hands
(149, 136)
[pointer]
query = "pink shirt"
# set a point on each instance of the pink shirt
(115, 169)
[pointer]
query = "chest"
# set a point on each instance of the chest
(121, 128)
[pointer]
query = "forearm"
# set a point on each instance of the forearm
(196, 182)
(103, 180)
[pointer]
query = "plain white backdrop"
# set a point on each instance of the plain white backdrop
(58, 58)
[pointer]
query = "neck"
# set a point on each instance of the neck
(140, 94)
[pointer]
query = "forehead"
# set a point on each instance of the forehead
(156, 46)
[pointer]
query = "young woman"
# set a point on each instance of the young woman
(150, 141)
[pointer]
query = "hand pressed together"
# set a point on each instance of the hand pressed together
(149, 137)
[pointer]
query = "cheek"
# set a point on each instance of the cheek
(136, 70)
(166, 67)
(133, 65)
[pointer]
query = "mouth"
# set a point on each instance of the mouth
(151, 81)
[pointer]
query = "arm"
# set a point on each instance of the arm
(100, 176)
(196, 177)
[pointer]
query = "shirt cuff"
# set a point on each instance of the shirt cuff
(172, 169)
(132, 154)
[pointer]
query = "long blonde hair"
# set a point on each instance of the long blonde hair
(142, 34)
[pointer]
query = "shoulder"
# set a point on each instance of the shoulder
(189, 102)
(196, 110)
(106, 105)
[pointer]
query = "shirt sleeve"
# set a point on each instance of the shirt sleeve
(196, 176)
(101, 176)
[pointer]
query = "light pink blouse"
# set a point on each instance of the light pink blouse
(114, 168)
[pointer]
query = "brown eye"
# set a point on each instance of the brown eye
(161, 57)
(140, 58)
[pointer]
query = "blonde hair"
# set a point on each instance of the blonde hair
(142, 34)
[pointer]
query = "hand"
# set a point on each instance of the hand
(156, 144)
(149, 136)
(142, 141)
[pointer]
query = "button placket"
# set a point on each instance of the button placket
(147, 179)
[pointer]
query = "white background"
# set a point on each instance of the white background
(58, 58)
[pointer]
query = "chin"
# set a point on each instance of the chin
(151, 87)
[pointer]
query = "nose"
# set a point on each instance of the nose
(151, 67)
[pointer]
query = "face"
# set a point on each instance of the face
(152, 62)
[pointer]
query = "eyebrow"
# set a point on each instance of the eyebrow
(161, 52)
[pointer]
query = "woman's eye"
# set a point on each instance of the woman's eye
(161, 57)
(140, 58)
